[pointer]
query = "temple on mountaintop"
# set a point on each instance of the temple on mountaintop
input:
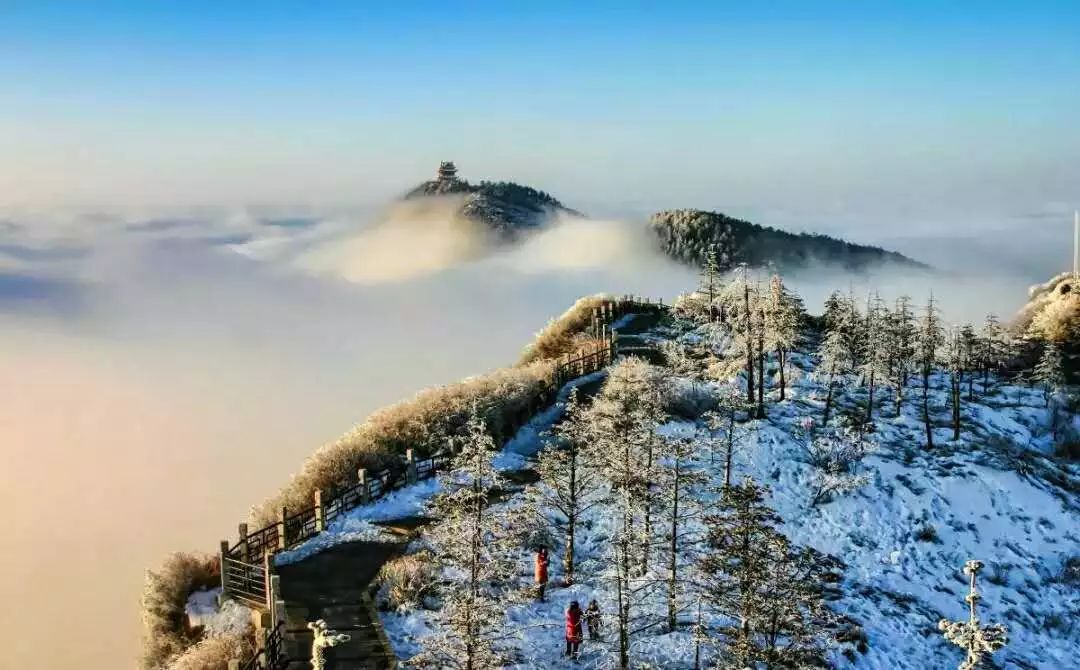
(447, 171)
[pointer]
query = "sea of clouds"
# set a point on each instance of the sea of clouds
(150, 357)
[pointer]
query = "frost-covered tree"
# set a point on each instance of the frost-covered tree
(1050, 370)
(769, 591)
(901, 338)
(875, 361)
(759, 330)
(571, 488)
(680, 481)
(931, 336)
(729, 405)
(956, 359)
(991, 348)
(978, 640)
(623, 419)
(835, 358)
(742, 305)
(784, 315)
(473, 540)
(710, 282)
(970, 345)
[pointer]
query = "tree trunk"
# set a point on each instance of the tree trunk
(624, 618)
(926, 410)
(730, 448)
(761, 368)
(870, 403)
(781, 355)
(648, 513)
(623, 584)
(571, 520)
(900, 381)
(673, 564)
(749, 348)
(957, 391)
(828, 401)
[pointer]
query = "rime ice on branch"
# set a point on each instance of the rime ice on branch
(977, 640)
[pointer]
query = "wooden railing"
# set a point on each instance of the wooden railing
(247, 566)
(270, 656)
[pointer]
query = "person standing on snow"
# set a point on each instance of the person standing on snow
(592, 619)
(573, 630)
(541, 572)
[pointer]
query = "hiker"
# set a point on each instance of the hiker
(592, 619)
(541, 572)
(573, 629)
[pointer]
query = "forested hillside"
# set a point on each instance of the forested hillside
(689, 235)
(782, 491)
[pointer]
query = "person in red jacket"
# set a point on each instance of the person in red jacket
(541, 572)
(573, 629)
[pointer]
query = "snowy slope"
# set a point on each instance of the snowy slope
(994, 495)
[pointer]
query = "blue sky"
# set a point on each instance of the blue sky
(929, 110)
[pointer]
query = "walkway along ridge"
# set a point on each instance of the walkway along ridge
(248, 573)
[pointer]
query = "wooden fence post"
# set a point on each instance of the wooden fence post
(411, 475)
(365, 492)
(281, 543)
(245, 545)
(320, 512)
(224, 571)
(277, 604)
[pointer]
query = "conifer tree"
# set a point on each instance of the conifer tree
(680, 481)
(955, 358)
(835, 356)
(759, 327)
(710, 282)
(991, 350)
(1050, 370)
(746, 322)
(572, 488)
(876, 357)
(723, 419)
(930, 338)
(970, 351)
(770, 590)
(784, 316)
(475, 541)
(623, 419)
(902, 345)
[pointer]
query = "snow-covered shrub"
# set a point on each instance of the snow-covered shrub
(565, 334)
(687, 399)
(213, 653)
(164, 599)
(926, 533)
(1070, 571)
(836, 456)
(405, 581)
(505, 400)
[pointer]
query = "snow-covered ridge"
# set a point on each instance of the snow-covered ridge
(996, 494)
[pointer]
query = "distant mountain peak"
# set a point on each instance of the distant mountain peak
(503, 206)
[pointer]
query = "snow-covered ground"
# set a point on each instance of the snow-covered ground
(996, 495)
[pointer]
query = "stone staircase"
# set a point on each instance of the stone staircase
(333, 586)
